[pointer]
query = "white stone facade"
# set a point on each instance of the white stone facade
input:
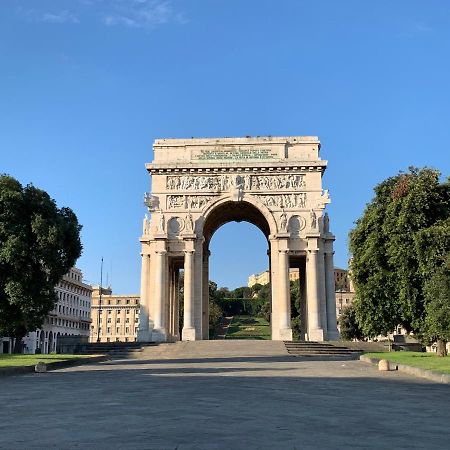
(71, 315)
(199, 185)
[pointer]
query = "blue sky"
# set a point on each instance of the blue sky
(87, 85)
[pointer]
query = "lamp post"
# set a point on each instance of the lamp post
(100, 302)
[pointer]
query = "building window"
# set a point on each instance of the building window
(128, 311)
(118, 331)
(127, 320)
(118, 320)
(127, 330)
(109, 320)
(128, 302)
(108, 330)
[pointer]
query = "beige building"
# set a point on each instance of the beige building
(71, 315)
(117, 315)
(264, 277)
(345, 292)
(198, 185)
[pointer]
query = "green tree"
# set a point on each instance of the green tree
(349, 327)
(386, 264)
(437, 308)
(296, 300)
(39, 242)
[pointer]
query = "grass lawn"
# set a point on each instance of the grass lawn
(248, 327)
(423, 360)
(31, 360)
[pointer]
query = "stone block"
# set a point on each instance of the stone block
(40, 367)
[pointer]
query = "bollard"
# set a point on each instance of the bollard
(383, 365)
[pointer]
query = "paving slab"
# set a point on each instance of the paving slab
(242, 395)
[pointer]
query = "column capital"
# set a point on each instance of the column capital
(161, 252)
(189, 251)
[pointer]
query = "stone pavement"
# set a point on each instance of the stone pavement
(223, 395)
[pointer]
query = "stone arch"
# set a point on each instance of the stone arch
(199, 185)
(226, 209)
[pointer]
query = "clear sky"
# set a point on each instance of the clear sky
(87, 85)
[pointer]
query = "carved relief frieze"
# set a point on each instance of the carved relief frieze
(297, 200)
(226, 182)
(189, 202)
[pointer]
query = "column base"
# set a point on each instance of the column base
(285, 334)
(333, 336)
(188, 334)
(144, 336)
(316, 335)
(159, 335)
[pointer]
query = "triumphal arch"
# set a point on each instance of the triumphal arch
(198, 185)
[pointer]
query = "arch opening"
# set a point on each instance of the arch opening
(245, 309)
(231, 211)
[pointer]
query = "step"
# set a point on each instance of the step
(309, 348)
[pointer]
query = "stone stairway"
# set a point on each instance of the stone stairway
(117, 350)
(309, 348)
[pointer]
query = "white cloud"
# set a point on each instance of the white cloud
(61, 17)
(129, 13)
(34, 15)
(141, 13)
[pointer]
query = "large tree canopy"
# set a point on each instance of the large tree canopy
(396, 246)
(39, 242)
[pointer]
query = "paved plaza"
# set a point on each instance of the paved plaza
(223, 395)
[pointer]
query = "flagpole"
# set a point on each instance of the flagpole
(100, 302)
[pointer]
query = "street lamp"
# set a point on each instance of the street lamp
(100, 302)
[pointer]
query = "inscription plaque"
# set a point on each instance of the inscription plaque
(227, 153)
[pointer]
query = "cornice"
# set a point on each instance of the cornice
(208, 167)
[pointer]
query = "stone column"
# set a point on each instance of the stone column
(144, 321)
(176, 317)
(170, 304)
(284, 304)
(332, 332)
(159, 333)
(322, 291)
(315, 333)
(205, 295)
(188, 325)
(273, 265)
(303, 308)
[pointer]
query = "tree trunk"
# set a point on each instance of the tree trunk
(441, 348)
(18, 344)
